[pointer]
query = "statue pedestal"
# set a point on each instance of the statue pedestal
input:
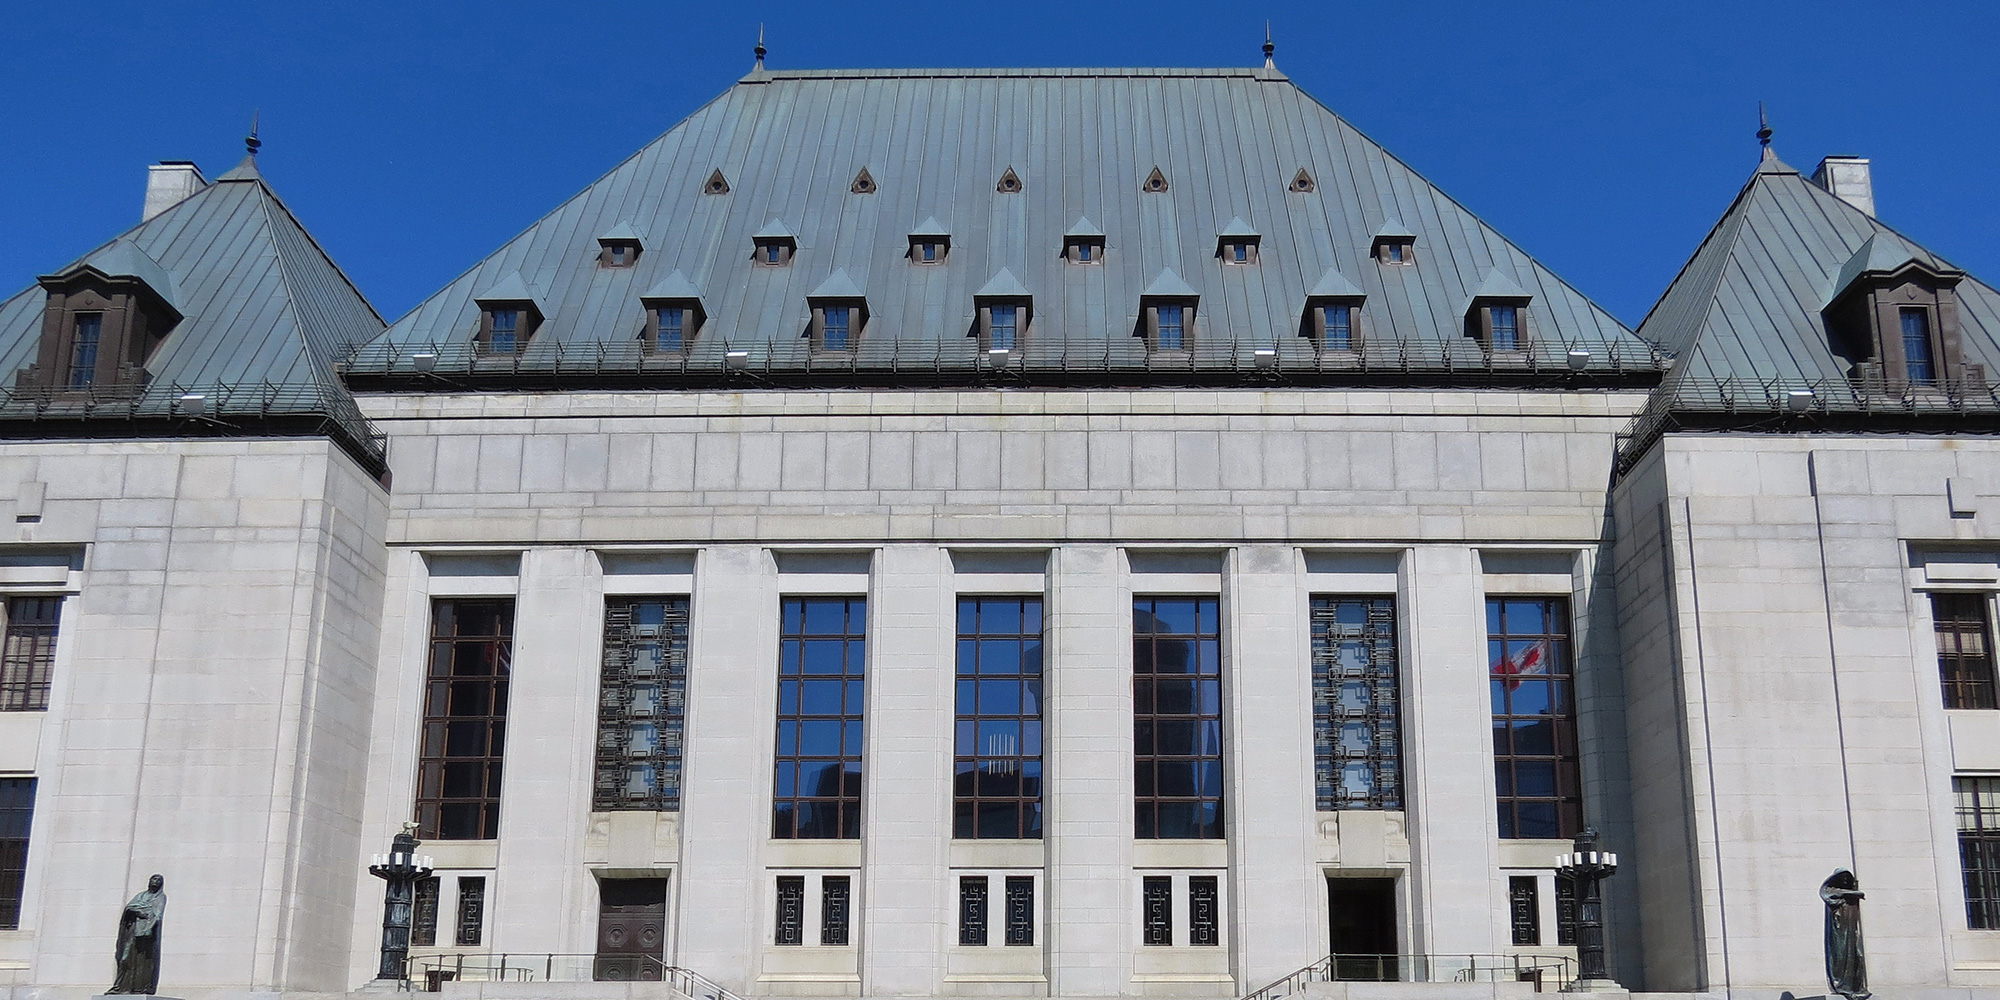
(128, 996)
(1600, 987)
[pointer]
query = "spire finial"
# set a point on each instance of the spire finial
(251, 142)
(1269, 48)
(760, 50)
(1763, 127)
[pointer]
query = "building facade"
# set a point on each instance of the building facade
(1085, 533)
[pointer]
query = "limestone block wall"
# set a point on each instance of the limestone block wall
(1792, 662)
(209, 710)
(1260, 498)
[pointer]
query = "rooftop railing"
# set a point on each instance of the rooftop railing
(1546, 972)
(1808, 405)
(193, 410)
(964, 361)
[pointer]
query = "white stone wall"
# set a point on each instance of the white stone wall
(210, 705)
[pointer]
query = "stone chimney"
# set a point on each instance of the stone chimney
(170, 182)
(1846, 177)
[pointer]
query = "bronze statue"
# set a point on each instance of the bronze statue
(139, 940)
(1846, 966)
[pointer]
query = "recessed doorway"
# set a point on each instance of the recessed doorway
(631, 929)
(1361, 921)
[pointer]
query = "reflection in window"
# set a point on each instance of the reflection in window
(1171, 332)
(1177, 718)
(641, 706)
(29, 655)
(997, 769)
(465, 719)
(821, 658)
(1357, 747)
(1534, 721)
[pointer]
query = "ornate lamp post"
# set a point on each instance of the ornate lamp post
(1587, 867)
(401, 868)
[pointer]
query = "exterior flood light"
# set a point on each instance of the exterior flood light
(737, 360)
(999, 356)
(1266, 356)
(193, 404)
(1799, 400)
(1579, 359)
(423, 362)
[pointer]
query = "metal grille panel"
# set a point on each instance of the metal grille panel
(1204, 920)
(972, 910)
(1020, 909)
(834, 893)
(1159, 901)
(642, 704)
(791, 909)
(1357, 731)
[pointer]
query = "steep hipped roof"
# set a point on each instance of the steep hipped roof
(1747, 304)
(262, 304)
(1084, 140)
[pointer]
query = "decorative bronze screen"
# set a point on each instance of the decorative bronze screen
(641, 704)
(1357, 741)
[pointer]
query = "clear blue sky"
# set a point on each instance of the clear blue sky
(1604, 136)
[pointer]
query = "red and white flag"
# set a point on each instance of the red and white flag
(1532, 660)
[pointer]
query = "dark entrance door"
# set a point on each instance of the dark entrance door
(1362, 917)
(631, 928)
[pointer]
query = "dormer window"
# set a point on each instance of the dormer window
(1336, 326)
(619, 247)
(1084, 243)
(674, 315)
(1004, 307)
(839, 314)
(1497, 314)
(1333, 313)
(775, 245)
(1395, 245)
(929, 243)
(101, 321)
(1167, 313)
(1237, 243)
(509, 314)
(1894, 315)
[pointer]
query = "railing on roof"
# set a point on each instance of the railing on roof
(963, 361)
(1794, 405)
(194, 410)
(1550, 972)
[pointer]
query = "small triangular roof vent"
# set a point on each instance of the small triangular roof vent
(836, 286)
(864, 183)
(1010, 182)
(1002, 285)
(1302, 182)
(1168, 285)
(716, 183)
(1156, 182)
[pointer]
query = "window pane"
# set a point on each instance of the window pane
(1534, 728)
(672, 327)
(29, 653)
(1506, 332)
(465, 718)
(83, 350)
(17, 812)
(1339, 327)
(834, 332)
(1356, 718)
(1917, 345)
(1171, 334)
(999, 719)
(1177, 717)
(1965, 653)
(819, 718)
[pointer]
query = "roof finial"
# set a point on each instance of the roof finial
(759, 68)
(251, 142)
(1763, 129)
(1269, 48)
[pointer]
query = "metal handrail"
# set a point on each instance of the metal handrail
(1422, 968)
(518, 967)
(965, 361)
(196, 407)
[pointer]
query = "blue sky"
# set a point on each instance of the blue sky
(1604, 136)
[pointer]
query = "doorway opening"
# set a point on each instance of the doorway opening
(631, 929)
(1361, 921)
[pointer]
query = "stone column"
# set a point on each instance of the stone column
(1447, 755)
(1268, 698)
(1088, 817)
(906, 818)
(542, 900)
(718, 896)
